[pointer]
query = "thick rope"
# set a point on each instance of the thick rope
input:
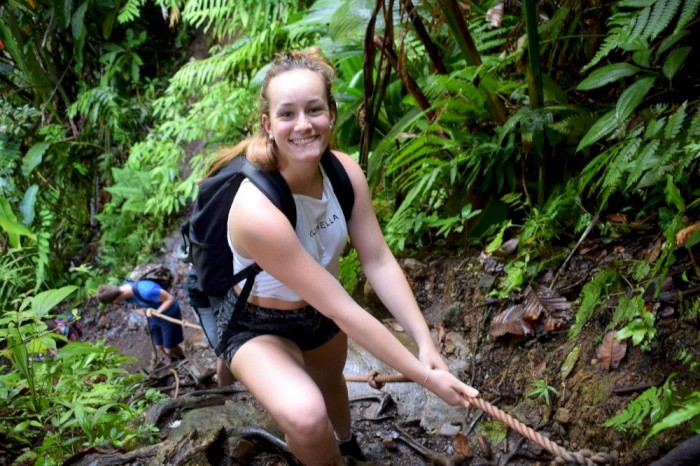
(584, 457)
(376, 380)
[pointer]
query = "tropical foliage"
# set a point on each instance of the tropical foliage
(474, 121)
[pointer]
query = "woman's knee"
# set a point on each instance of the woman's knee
(309, 424)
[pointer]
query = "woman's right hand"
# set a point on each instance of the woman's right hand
(449, 388)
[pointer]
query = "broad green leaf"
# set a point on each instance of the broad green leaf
(601, 128)
(9, 223)
(688, 411)
(607, 75)
(674, 60)
(631, 98)
(350, 20)
(78, 22)
(673, 194)
(26, 207)
(47, 300)
(33, 157)
(63, 9)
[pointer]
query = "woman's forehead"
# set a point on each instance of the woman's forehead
(294, 85)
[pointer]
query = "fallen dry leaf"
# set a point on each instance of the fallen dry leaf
(512, 321)
(683, 235)
(461, 445)
(611, 351)
(617, 218)
(540, 299)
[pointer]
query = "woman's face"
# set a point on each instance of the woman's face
(300, 118)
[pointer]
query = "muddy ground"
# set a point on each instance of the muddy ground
(454, 291)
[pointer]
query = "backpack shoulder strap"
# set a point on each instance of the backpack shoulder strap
(272, 184)
(340, 181)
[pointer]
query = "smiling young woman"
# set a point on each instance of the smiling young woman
(289, 344)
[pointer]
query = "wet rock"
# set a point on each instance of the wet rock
(240, 450)
(452, 316)
(103, 322)
(230, 416)
(201, 370)
(486, 282)
(415, 269)
(196, 341)
(449, 430)
(562, 416)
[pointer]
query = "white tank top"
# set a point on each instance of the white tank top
(322, 230)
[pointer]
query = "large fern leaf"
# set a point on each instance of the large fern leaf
(661, 16)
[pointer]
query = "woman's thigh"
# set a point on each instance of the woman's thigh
(326, 363)
(273, 370)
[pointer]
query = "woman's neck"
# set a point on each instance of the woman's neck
(305, 179)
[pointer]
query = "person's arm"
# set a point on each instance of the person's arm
(262, 232)
(165, 299)
(383, 271)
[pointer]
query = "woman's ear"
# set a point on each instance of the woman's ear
(265, 121)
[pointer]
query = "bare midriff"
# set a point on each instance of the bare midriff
(273, 303)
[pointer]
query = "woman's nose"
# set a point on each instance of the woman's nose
(302, 122)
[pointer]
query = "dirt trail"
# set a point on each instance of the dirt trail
(453, 294)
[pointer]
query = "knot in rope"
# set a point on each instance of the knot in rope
(373, 379)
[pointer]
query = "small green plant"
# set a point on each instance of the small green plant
(657, 409)
(650, 406)
(592, 294)
(542, 390)
(57, 400)
(641, 330)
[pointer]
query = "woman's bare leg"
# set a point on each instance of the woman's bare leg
(272, 369)
(325, 365)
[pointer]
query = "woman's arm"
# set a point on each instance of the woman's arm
(383, 271)
(262, 232)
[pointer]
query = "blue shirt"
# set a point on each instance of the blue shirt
(150, 291)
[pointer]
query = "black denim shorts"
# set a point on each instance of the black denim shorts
(306, 327)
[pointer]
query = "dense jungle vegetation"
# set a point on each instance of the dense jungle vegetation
(477, 122)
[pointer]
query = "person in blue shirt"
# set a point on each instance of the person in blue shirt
(153, 299)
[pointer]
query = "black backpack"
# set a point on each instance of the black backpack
(204, 234)
(158, 273)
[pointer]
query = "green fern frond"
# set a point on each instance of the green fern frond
(675, 123)
(43, 251)
(688, 12)
(656, 168)
(661, 16)
(130, 11)
(228, 19)
(641, 23)
(645, 160)
(628, 308)
(592, 294)
(694, 128)
(647, 409)
(636, 412)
